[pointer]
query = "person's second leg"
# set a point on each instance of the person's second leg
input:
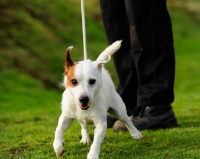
(155, 64)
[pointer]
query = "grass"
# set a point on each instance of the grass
(29, 110)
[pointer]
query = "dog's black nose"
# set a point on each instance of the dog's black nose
(84, 100)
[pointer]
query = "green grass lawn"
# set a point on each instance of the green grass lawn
(29, 111)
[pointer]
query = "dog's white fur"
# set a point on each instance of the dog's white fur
(94, 82)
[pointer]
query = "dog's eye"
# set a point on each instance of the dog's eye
(92, 81)
(74, 82)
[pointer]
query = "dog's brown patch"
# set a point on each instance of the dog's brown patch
(70, 66)
(70, 76)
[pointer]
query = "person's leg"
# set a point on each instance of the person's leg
(154, 63)
(117, 28)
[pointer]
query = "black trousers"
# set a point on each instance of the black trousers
(145, 63)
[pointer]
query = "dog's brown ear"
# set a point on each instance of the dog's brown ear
(68, 61)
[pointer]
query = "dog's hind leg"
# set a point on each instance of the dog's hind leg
(63, 123)
(118, 109)
(85, 134)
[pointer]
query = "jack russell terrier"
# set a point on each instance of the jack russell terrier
(89, 94)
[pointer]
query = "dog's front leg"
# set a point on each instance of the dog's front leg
(99, 135)
(58, 144)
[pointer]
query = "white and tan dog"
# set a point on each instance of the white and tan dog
(89, 95)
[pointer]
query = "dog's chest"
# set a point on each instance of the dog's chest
(83, 116)
(86, 120)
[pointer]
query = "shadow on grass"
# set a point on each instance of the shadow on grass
(189, 121)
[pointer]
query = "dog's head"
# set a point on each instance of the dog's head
(83, 79)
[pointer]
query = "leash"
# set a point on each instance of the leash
(84, 29)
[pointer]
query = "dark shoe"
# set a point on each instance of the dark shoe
(155, 117)
(110, 120)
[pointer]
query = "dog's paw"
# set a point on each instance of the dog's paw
(58, 148)
(92, 156)
(137, 135)
(85, 140)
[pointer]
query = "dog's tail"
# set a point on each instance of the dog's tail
(110, 50)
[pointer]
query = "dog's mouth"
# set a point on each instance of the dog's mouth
(85, 106)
